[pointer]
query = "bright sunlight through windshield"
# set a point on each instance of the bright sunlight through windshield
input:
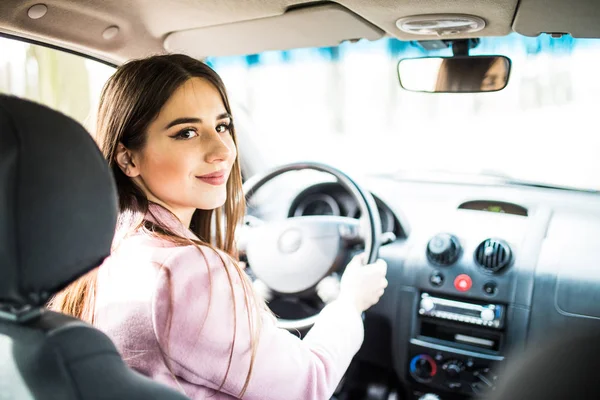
(344, 106)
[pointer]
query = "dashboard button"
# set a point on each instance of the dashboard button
(490, 288)
(436, 279)
(463, 283)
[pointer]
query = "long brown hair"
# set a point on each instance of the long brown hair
(130, 101)
(462, 75)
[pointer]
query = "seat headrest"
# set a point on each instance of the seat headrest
(58, 203)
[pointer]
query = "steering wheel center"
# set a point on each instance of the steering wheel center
(290, 241)
(307, 249)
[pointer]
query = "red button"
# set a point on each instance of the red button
(463, 283)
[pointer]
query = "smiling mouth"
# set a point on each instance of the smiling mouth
(215, 179)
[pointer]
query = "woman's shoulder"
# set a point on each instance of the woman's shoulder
(144, 247)
(196, 254)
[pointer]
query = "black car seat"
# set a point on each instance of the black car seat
(562, 367)
(58, 212)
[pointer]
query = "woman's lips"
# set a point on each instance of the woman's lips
(216, 178)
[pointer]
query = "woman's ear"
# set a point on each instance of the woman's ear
(124, 160)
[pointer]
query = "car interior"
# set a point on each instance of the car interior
(453, 139)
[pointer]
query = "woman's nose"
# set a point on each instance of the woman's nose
(217, 148)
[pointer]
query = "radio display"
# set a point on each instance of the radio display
(487, 315)
(461, 311)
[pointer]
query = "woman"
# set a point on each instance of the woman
(472, 74)
(172, 295)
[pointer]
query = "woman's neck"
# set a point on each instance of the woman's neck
(183, 214)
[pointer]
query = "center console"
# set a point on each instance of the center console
(467, 305)
(457, 345)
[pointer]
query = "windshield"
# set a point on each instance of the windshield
(344, 106)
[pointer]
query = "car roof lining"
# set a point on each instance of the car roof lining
(228, 27)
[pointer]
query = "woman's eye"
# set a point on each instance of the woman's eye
(186, 134)
(223, 128)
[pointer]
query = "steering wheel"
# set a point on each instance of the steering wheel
(293, 255)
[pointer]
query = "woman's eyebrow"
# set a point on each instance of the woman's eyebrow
(183, 120)
(193, 120)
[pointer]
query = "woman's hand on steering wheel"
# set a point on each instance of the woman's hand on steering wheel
(363, 285)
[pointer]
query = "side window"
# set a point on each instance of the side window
(65, 82)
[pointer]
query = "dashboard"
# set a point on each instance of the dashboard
(332, 199)
(477, 274)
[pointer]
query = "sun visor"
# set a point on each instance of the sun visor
(318, 26)
(576, 17)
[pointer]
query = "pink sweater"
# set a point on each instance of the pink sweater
(132, 307)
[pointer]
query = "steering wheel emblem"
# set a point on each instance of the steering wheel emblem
(290, 241)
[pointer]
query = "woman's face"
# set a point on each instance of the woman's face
(495, 77)
(189, 152)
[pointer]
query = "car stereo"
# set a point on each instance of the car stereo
(486, 315)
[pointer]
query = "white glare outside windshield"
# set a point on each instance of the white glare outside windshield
(344, 106)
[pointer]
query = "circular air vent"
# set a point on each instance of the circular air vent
(493, 255)
(443, 249)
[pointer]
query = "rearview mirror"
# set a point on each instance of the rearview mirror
(468, 74)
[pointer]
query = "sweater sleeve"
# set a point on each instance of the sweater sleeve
(197, 327)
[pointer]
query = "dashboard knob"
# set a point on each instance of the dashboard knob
(488, 315)
(427, 304)
(453, 368)
(429, 396)
(423, 367)
(443, 249)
